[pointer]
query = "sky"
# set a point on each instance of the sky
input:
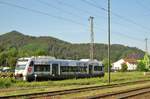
(68, 20)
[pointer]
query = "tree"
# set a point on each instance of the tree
(40, 52)
(14, 45)
(11, 61)
(124, 67)
(3, 57)
(105, 62)
(141, 66)
(146, 61)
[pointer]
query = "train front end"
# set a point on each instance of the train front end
(23, 69)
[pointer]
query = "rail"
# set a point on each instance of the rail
(70, 91)
(122, 94)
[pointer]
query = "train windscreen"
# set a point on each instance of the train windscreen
(21, 64)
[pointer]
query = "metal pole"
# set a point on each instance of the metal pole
(108, 41)
(146, 50)
(92, 38)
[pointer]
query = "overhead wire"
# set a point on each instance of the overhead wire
(115, 14)
(52, 6)
(142, 5)
(41, 12)
(51, 15)
(130, 37)
(121, 17)
(85, 11)
(77, 8)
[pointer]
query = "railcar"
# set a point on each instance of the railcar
(49, 68)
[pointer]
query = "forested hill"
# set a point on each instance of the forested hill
(15, 44)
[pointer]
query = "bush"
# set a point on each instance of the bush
(124, 67)
(5, 82)
(141, 66)
(105, 62)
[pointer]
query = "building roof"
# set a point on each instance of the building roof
(131, 61)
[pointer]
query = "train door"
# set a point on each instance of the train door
(90, 69)
(55, 69)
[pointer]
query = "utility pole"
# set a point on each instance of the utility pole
(146, 58)
(108, 41)
(146, 50)
(92, 38)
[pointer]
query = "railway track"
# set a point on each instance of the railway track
(70, 91)
(24, 88)
(126, 94)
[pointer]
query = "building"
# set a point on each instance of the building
(131, 64)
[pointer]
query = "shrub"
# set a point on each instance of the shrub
(105, 62)
(124, 67)
(5, 82)
(141, 66)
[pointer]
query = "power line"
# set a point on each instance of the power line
(70, 6)
(43, 13)
(51, 15)
(122, 35)
(85, 11)
(121, 17)
(129, 37)
(94, 5)
(52, 6)
(77, 8)
(115, 14)
(142, 5)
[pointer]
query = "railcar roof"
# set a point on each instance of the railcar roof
(63, 62)
(24, 58)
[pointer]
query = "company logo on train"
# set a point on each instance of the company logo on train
(47, 67)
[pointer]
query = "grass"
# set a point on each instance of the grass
(11, 86)
(102, 91)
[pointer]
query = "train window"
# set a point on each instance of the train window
(97, 68)
(20, 66)
(63, 68)
(69, 68)
(41, 68)
(73, 69)
(83, 69)
(79, 69)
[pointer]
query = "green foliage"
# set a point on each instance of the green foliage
(141, 66)
(124, 67)
(14, 45)
(146, 62)
(3, 57)
(6, 82)
(105, 62)
(116, 77)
